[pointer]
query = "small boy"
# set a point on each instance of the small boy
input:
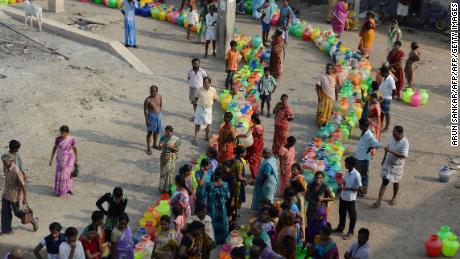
(231, 64)
(97, 219)
(267, 86)
(266, 18)
(14, 146)
(51, 242)
(192, 20)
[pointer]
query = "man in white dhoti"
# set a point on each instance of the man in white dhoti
(205, 96)
(211, 30)
(393, 164)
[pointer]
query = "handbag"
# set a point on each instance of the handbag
(28, 216)
(74, 171)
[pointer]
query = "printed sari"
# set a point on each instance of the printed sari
(367, 35)
(277, 56)
(339, 17)
(226, 143)
(125, 245)
(326, 98)
(254, 152)
(396, 57)
(65, 161)
(282, 118)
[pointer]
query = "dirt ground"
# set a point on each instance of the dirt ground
(100, 97)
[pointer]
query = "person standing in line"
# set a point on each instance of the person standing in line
(277, 54)
(227, 141)
(203, 115)
(387, 89)
(169, 144)
(217, 195)
(395, 58)
(254, 152)
(339, 17)
(51, 242)
(266, 18)
(283, 115)
(367, 35)
(122, 239)
(130, 22)
(14, 147)
(14, 193)
(65, 161)
(394, 34)
(327, 92)
(267, 86)
(285, 21)
(203, 178)
(211, 30)
(72, 248)
(348, 196)
(192, 19)
(411, 66)
(116, 207)
(152, 114)
(231, 64)
(195, 81)
(360, 249)
(393, 164)
(366, 143)
(287, 159)
(266, 180)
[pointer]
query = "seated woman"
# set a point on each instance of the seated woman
(326, 247)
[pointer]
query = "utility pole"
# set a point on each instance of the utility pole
(357, 5)
(226, 26)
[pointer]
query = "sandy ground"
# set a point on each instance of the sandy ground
(100, 98)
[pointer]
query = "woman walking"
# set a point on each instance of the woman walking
(65, 161)
(394, 34)
(266, 180)
(283, 115)
(367, 35)
(287, 159)
(226, 139)
(327, 92)
(254, 152)
(339, 17)
(169, 145)
(217, 195)
(277, 54)
(130, 22)
(409, 69)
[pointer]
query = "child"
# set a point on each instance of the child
(266, 18)
(167, 240)
(208, 240)
(231, 64)
(91, 244)
(267, 86)
(192, 20)
(267, 224)
(51, 242)
(177, 218)
(186, 172)
(97, 218)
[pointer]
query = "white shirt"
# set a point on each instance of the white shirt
(387, 86)
(359, 252)
(268, 14)
(192, 17)
(64, 251)
(211, 21)
(353, 181)
(50, 256)
(195, 80)
(401, 147)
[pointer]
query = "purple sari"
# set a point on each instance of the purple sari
(314, 225)
(65, 161)
(339, 17)
(125, 245)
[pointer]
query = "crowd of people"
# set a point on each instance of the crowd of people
(289, 211)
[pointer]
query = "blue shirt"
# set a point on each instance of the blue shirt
(130, 9)
(366, 141)
(284, 12)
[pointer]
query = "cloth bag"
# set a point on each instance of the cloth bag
(28, 216)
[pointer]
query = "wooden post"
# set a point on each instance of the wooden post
(56, 6)
(226, 26)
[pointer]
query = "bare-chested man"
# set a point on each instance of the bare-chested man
(152, 113)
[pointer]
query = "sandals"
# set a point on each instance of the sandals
(392, 202)
(35, 224)
(376, 204)
(149, 152)
(195, 143)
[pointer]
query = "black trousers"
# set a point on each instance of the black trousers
(344, 208)
(8, 208)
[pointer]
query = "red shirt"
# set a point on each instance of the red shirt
(92, 246)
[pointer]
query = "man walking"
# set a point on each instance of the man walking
(348, 198)
(366, 143)
(13, 193)
(152, 113)
(195, 81)
(393, 164)
(203, 115)
(211, 30)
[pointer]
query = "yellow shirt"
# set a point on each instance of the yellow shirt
(206, 97)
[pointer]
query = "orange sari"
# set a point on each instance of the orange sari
(226, 142)
(367, 35)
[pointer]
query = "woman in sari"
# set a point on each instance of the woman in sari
(373, 115)
(186, 172)
(409, 69)
(122, 240)
(326, 247)
(283, 115)
(339, 17)
(266, 180)
(65, 161)
(285, 243)
(367, 35)
(394, 34)
(254, 152)
(277, 54)
(191, 245)
(239, 170)
(169, 145)
(327, 95)
(299, 186)
(287, 159)
(167, 241)
(315, 224)
(395, 58)
(181, 196)
(217, 195)
(226, 139)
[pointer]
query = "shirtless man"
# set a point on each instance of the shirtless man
(152, 113)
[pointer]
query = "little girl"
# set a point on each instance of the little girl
(193, 19)
(177, 218)
(267, 223)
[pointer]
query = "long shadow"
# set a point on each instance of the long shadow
(165, 51)
(144, 164)
(133, 125)
(102, 138)
(136, 188)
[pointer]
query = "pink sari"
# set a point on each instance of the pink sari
(65, 161)
(339, 17)
(287, 159)
(281, 128)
